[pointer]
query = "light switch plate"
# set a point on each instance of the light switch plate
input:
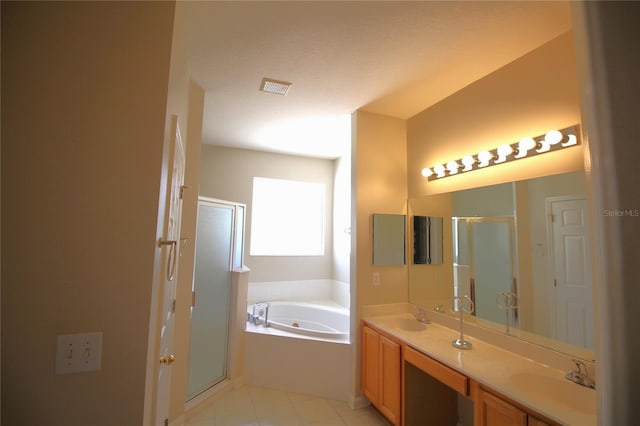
(79, 353)
(376, 279)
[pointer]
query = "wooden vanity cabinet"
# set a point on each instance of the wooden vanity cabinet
(497, 412)
(492, 410)
(410, 388)
(381, 372)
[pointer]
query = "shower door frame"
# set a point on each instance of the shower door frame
(511, 224)
(236, 259)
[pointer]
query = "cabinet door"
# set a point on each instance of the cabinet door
(390, 383)
(496, 412)
(534, 421)
(371, 365)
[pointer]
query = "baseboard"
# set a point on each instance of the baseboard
(180, 421)
(196, 402)
(238, 382)
(357, 402)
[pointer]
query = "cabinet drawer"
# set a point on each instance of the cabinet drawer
(448, 376)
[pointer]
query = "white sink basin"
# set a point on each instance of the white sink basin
(409, 324)
(557, 390)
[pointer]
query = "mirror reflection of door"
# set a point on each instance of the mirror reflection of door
(570, 287)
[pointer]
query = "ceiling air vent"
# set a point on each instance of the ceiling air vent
(274, 86)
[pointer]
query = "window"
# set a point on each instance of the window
(287, 218)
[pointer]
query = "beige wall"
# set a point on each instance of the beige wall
(379, 176)
(84, 106)
(527, 97)
(227, 173)
(378, 185)
(342, 219)
(526, 305)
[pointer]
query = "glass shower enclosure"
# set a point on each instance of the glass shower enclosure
(219, 250)
(485, 264)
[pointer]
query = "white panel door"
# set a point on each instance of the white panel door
(170, 242)
(572, 278)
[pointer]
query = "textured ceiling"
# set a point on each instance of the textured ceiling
(392, 58)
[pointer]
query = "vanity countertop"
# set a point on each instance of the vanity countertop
(532, 384)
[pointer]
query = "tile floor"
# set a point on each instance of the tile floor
(258, 406)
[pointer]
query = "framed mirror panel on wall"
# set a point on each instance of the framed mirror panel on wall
(389, 240)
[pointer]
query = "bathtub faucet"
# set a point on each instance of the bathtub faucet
(261, 314)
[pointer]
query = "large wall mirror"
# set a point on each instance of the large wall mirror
(520, 251)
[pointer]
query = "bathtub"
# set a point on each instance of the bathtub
(303, 348)
(306, 319)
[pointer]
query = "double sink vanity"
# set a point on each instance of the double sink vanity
(414, 376)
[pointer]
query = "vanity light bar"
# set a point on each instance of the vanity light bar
(554, 140)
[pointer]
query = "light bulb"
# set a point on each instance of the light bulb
(572, 141)
(524, 146)
(544, 147)
(484, 157)
(468, 162)
(503, 151)
(426, 172)
(553, 137)
(453, 167)
(439, 169)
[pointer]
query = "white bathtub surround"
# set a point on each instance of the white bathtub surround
(237, 320)
(304, 291)
(308, 366)
(315, 363)
(341, 293)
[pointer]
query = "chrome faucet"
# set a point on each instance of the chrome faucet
(260, 314)
(420, 316)
(581, 376)
(458, 303)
